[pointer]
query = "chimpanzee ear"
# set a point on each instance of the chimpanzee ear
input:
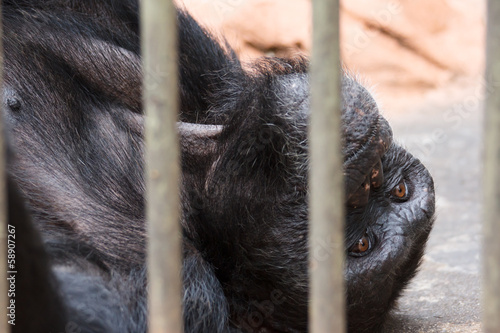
(198, 139)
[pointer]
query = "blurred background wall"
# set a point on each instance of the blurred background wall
(402, 49)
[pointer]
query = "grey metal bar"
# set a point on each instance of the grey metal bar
(4, 326)
(491, 180)
(327, 304)
(159, 48)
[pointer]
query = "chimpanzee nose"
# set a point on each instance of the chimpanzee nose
(364, 150)
(377, 175)
(374, 179)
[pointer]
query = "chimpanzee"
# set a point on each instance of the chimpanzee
(74, 126)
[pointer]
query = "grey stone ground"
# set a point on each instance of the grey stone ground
(445, 132)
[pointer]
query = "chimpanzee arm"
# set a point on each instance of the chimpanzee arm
(72, 295)
(205, 306)
(34, 289)
(107, 303)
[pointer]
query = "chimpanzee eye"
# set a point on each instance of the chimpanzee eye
(361, 247)
(400, 191)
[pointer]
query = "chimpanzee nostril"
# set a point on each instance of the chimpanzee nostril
(361, 195)
(366, 161)
(374, 179)
(377, 175)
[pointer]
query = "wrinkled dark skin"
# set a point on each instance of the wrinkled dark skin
(74, 121)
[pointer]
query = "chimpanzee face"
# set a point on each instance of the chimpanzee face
(399, 217)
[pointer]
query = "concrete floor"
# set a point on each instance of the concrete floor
(445, 133)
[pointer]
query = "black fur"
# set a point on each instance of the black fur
(72, 104)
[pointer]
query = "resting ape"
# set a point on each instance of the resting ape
(72, 104)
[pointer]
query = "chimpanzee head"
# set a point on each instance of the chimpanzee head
(251, 218)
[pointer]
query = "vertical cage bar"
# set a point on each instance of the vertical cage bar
(159, 47)
(491, 180)
(327, 304)
(4, 326)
